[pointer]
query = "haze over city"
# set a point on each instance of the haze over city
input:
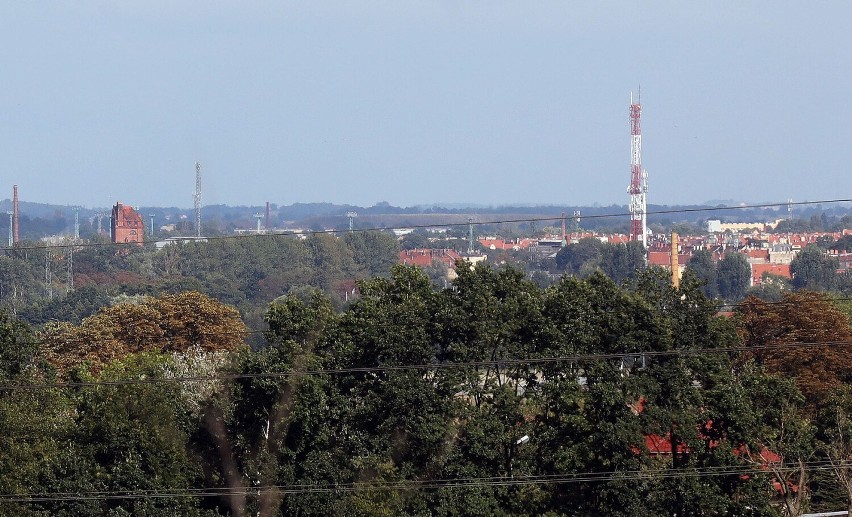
(422, 102)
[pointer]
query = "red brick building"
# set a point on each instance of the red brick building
(127, 225)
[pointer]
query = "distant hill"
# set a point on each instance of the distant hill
(41, 219)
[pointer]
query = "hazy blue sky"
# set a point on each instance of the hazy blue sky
(416, 102)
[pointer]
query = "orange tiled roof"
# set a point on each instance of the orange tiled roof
(424, 257)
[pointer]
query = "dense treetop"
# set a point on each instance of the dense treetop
(413, 400)
(181, 322)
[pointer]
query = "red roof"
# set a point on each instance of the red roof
(759, 254)
(757, 271)
(659, 258)
(657, 445)
(424, 257)
(500, 244)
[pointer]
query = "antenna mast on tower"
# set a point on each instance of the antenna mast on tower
(351, 216)
(197, 197)
(638, 188)
(15, 214)
(76, 222)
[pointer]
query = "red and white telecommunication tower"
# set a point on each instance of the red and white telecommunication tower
(638, 188)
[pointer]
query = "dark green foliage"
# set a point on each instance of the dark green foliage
(622, 262)
(618, 261)
(377, 252)
(79, 304)
(843, 244)
(415, 240)
(587, 369)
(812, 269)
(580, 258)
(733, 276)
(134, 437)
(246, 273)
(17, 348)
(702, 267)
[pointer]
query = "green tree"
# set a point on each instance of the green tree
(33, 422)
(377, 252)
(733, 276)
(280, 430)
(844, 243)
(135, 437)
(490, 315)
(702, 427)
(702, 267)
(414, 240)
(621, 262)
(580, 258)
(812, 269)
(835, 417)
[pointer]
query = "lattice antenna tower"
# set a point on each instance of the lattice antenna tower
(197, 198)
(470, 236)
(638, 188)
(69, 284)
(76, 222)
(15, 214)
(48, 272)
(351, 216)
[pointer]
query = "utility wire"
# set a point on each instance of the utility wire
(579, 358)
(448, 483)
(438, 225)
(758, 303)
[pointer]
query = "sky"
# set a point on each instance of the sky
(423, 102)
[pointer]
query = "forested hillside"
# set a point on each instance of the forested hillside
(491, 397)
(247, 273)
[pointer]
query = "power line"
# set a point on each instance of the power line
(578, 358)
(758, 303)
(247, 332)
(441, 225)
(414, 484)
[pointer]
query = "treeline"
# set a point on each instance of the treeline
(245, 272)
(727, 279)
(492, 397)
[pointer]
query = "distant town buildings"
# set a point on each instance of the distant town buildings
(768, 254)
(717, 226)
(126, 225)
(425, 257)
(177, 240)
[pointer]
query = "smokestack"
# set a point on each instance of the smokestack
(15, 214)
(675, 265)
(267, 215)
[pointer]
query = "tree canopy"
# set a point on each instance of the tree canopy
(168, 323)
(491, 397)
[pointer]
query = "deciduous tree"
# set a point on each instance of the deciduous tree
(169, 323)
(812, 269)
